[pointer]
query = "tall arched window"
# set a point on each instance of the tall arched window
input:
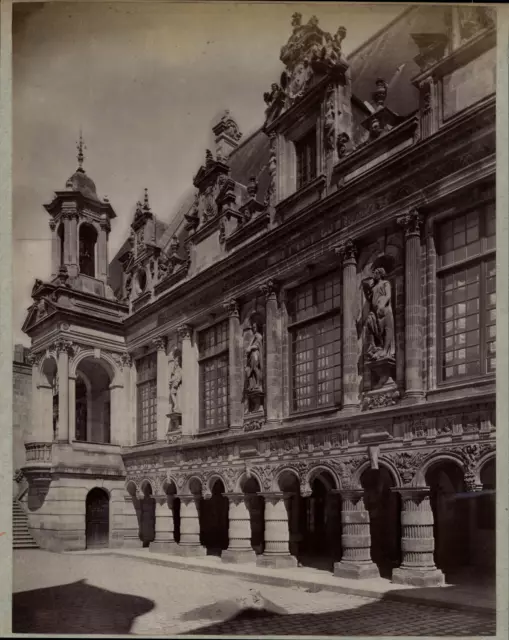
(61, 239)
(87, 243)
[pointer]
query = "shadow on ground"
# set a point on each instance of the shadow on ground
(375, 618)
(76, 608)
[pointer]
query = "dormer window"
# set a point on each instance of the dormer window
(305, 151)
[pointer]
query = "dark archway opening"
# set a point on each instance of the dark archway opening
(320, 525)
(97, 519)
(60, 233)
(384, 508)
(214, 520)
(256, 507)
(451, 517)
(484, 545)
(81, 410)
(87, 247)
(147, 516)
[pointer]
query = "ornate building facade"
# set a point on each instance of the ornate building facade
(300, 366)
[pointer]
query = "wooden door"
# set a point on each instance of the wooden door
(97, 519)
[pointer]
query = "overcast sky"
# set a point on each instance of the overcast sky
(144, 81)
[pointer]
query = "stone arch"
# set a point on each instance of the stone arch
(282, 477)
(382, 462)
(147, 487)
(131, 488)
(106, 360)
(209, 483)
(87, 249)
(484, 461)
(169, 486)
(193, 485)
(320, 467)
(247, 478)
(434, 460)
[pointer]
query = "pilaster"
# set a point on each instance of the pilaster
(274, 366)
(55, 248)
(348, 254)
(190, 382)
(235, 376)
(73, 243)
(356, 539)
(417, 542)
(63, 347)
(414, 329)
(163, 404)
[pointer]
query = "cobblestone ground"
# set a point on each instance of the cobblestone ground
(65, 593)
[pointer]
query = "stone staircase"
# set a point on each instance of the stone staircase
(21, 538)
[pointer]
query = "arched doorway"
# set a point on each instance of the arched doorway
(97, 519)
(87, 249)
(450, 515)
(288, 483)
(214, 520)
(484, 546)
(384, 510)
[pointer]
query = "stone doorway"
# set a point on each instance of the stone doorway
(97, 519)
(384, 507)
(451, 515)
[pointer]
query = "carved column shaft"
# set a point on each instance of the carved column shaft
(239, 531)
(190, 527)
(235, 376)
(73, 245)
(347, 253)
(189, 383)
(414, 329)
(164, 540)
(63, 396)
(277, 534)
(417, 542)
(356, 539)
(131, 524)
(102, 254)
(72, 408)
(274, 367)
(119, 418)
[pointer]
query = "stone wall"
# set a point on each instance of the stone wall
(22, 401)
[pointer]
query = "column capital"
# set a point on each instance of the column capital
(189, 498)
(355, 493)
(412, 493)
(160, 343)
(232, 308)
(35, 358)
(184, 331)
(273, 496)
(270, 289)
(411, 223)
(236, 498)
(52, 224)
(347, 252)
(63, 346)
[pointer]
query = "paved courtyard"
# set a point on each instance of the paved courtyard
(65, 593)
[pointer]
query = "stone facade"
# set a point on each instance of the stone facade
(273, 372)
(22, 403)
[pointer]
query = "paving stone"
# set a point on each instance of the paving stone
(118, 595)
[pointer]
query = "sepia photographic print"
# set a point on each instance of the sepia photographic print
(254, 319)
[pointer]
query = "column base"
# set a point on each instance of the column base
(238, 556)
(191, 550)
(413, 398)
(356, 570)
(132, 543)
(163, 547)
(275, 561)
(418, 577)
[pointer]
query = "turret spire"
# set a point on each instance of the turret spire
(81, 146)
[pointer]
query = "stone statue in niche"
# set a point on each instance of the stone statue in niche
(379, 328)
(175, 382)
(253, 381)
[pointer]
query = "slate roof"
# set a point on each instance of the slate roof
(388, 54)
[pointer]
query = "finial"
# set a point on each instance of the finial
(146, 205)
(80, 146)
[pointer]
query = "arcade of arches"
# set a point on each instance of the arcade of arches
(375, 529)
